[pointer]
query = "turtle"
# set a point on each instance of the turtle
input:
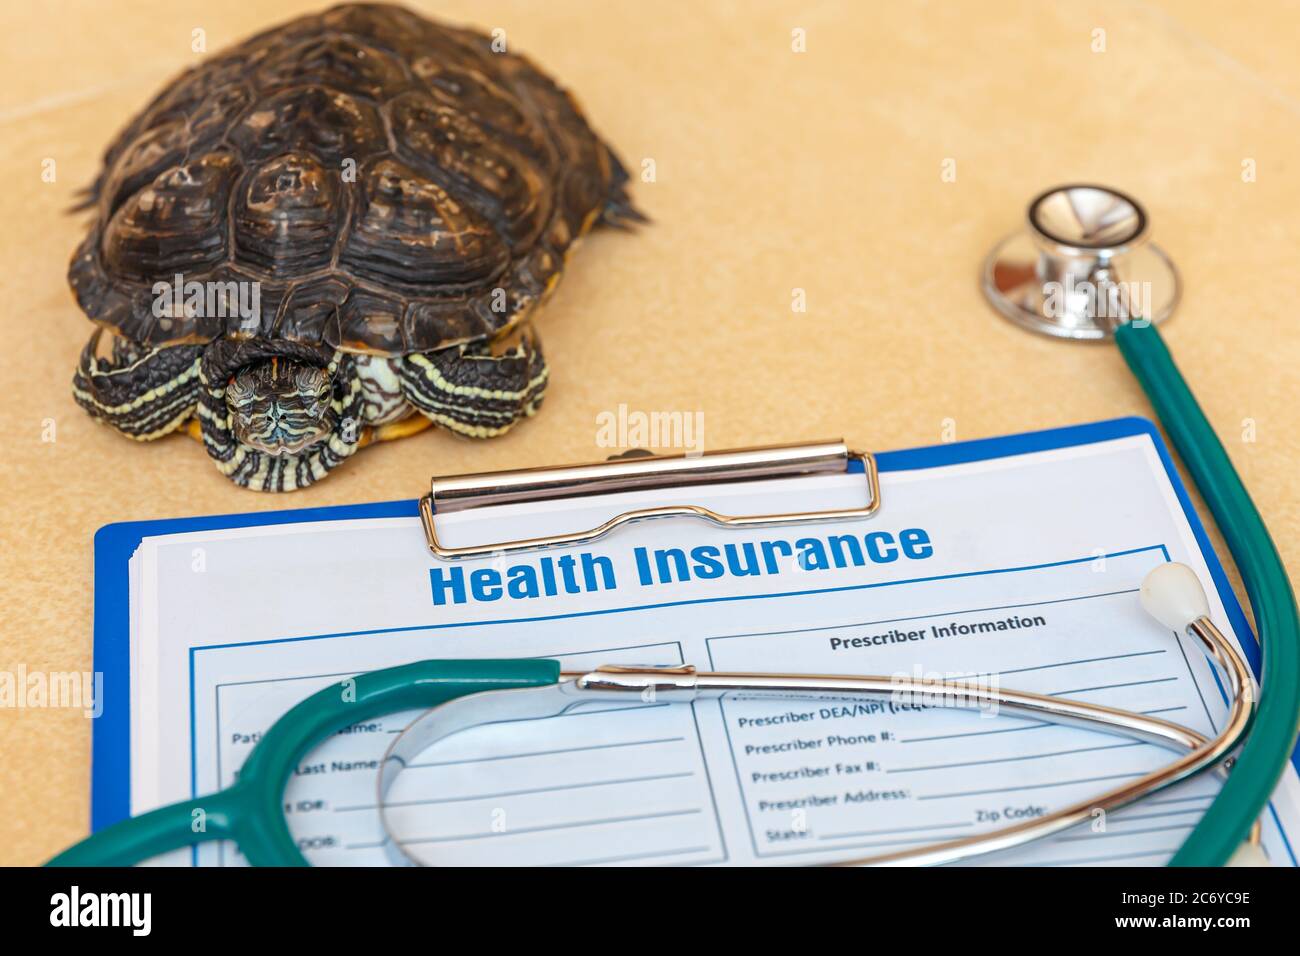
(333, 233)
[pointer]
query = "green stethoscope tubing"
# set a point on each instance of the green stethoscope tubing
(1263, 758)
(251, 810)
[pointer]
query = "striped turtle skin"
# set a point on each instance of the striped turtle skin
(335, 232)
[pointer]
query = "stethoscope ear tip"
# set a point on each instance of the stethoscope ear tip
(1173, 595)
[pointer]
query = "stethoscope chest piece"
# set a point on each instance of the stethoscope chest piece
(1083, 266)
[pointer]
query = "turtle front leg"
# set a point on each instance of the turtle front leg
(473, 392)
(143, 393)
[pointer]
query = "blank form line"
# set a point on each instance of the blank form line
(1053, 753)
(1157, 803)
(1029, 786)
(1132, 683)
(635, 856)
(552, 826)
(862, 833)
(1123, 833)
(846, 846)
(547, 753)
(1103, 859)
(1034, 725)
(876, 843)
(517, 793)
(1164, 814)
(577, 710)
(1047, 667)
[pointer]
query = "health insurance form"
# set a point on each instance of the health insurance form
(1020, 569)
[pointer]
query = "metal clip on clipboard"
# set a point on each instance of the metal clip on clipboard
(463, 492)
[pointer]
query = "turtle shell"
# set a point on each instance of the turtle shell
(389, 184)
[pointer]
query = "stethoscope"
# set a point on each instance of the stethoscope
(1084, 270)
(470, 693)
(1078, 274)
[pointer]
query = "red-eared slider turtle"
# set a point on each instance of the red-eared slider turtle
(333, 233)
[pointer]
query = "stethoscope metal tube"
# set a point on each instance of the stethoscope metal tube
(1168, 593)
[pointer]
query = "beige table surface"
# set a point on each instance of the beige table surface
(775, 171)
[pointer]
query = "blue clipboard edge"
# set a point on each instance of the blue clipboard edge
(116, 543)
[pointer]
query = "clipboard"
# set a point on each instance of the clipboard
(115, 544)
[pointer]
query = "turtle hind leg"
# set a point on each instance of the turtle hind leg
(143, 393)
(619, 210)
(471, 391)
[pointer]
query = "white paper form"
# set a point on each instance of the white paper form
(1021, 569)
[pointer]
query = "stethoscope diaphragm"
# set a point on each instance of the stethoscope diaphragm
(1082, 266)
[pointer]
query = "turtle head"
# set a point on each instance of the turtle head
(281, 407)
